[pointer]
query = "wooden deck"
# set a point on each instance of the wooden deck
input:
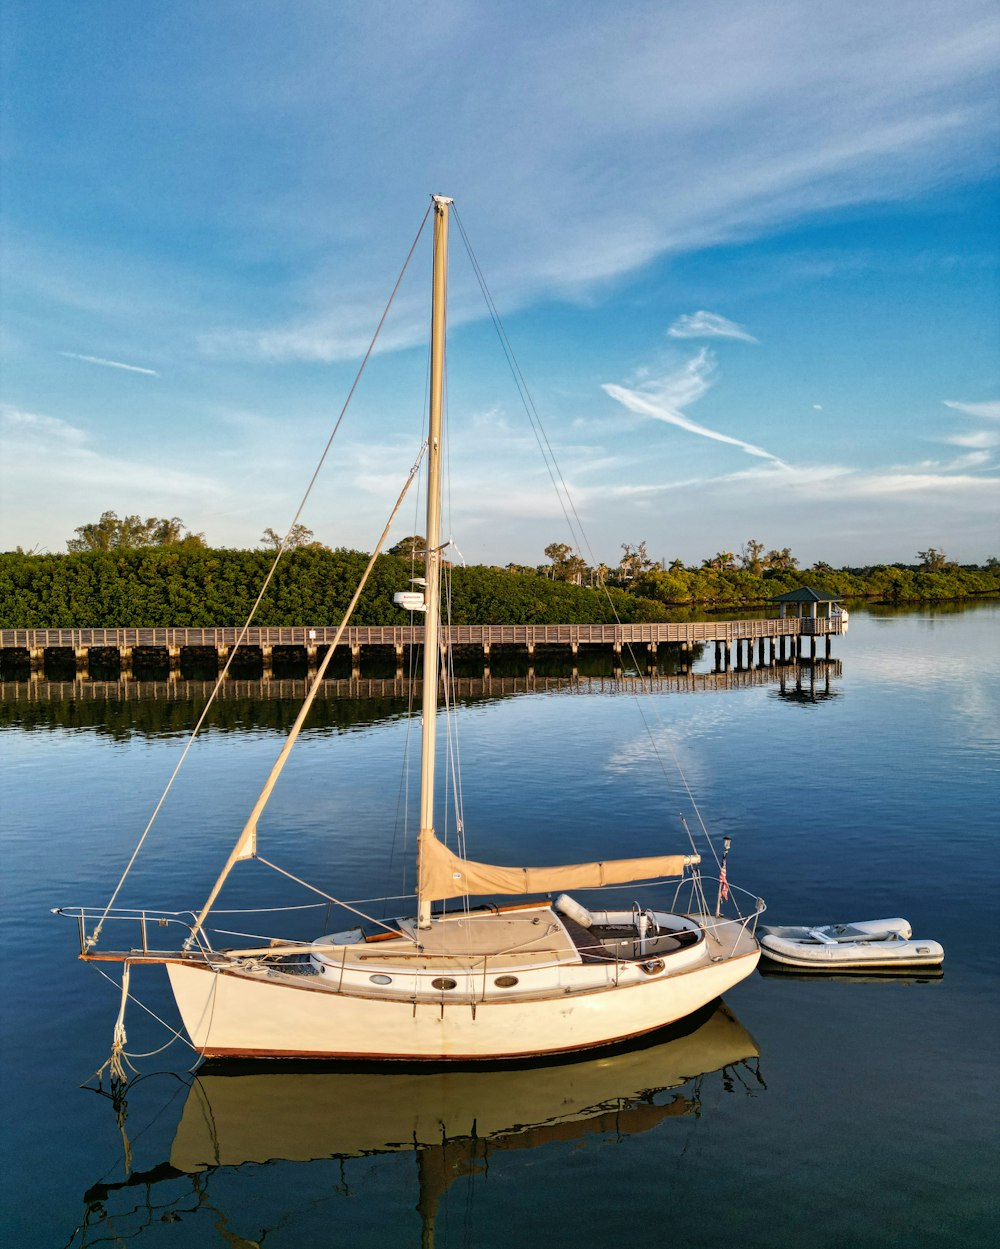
(775, 640)
(526, 637)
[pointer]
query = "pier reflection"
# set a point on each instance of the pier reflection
(123, 708)
(807, 683)
(452, 1123)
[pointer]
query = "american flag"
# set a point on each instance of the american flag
(723, 882)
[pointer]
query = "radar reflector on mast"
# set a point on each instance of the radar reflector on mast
(409, 600)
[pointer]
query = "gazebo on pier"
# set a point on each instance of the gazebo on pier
(819, 614)
(820, 606)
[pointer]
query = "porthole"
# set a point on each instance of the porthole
(444, 982)
(380, 979)
(505, 982)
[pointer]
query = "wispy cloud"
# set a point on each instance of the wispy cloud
(989, 409)
(979, 443)
(757, 120)
(664, 399)
(109, 364)
(708, 325)
(932, 484)
(65, 453)
(979, 438)
(51, 459)
(971, 459)
(840, 481)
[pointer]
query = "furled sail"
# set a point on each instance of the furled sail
(442, 874)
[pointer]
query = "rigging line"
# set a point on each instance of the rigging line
(265, 910)
(92, 940)
(562, 489)
(261, 936)
(577, 530)
(454, 774)
(174, 1035)
(684, 825)
(541, 437)
(448, 668)
(329, 897)
(395, 897)
(357, 377)
(248, 836)
(554, 470)
(454, 744)
(402, 815)
(665, 732)
(403, 795)
(402, 810)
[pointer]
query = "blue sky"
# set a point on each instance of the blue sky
(747, 255)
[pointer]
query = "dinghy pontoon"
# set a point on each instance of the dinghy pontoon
(841, 947)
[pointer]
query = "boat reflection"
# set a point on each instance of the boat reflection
(869, 975)
(452, 1120)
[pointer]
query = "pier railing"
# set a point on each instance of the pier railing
(486, 636)
(734, 640)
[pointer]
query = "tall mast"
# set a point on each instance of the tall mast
(432, 620)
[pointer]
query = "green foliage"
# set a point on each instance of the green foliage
(201, 587)
(726, 587)
(190, 586)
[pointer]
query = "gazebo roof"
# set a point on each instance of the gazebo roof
(806, 594)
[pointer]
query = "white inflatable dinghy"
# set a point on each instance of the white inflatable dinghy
(840, 947)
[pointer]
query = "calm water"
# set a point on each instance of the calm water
(809, 1112)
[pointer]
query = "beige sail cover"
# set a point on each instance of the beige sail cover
(443, 874)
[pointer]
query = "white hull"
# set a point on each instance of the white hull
(901, 954)
(229, 1011)
(854, 946)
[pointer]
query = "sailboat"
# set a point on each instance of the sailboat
(487, 980)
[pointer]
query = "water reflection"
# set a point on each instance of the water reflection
(453, 1122)
(870, 975)
(122, 709)
(807, 684)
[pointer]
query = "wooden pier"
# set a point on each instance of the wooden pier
(738, 643)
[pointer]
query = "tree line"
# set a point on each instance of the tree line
(194, 587)
(153, 572)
